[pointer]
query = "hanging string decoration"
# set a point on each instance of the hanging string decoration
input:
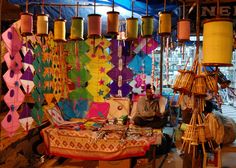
(94, 24)
(14, 97)
(77, 26)
(47, 50)
(78, 74)
(120, 74)
(38, 92)
(112, 21)
(98, 68)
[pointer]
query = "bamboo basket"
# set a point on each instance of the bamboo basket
(201, 133)
(178, 80)
(199, 85)
(186, 81)
(211, 82)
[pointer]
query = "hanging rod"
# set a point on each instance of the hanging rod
(65, 5)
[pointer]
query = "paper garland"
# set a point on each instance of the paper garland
(120, 74)
(98, 67)
(78, 73)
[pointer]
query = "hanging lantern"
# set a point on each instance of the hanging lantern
(77, 28)
(26, 20)
(42, 25)
(164, 23)
(94, 25)
(132, 28)
(183, 30)
(60, 30)
(147, 26)
(218, 42)
(112, 22)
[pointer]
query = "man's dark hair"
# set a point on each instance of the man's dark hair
(149, 86)
(208, 106)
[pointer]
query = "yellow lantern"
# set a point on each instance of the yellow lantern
(77, 28)
(217, 42)
(147, 26)
(60, 30)
(164, 23)
(132, 28)
(42, 25)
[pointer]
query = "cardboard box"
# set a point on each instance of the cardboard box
(124, 163)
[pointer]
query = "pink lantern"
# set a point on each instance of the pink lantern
(94, 25)
(26, 20)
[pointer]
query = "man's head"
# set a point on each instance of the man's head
(149, 92)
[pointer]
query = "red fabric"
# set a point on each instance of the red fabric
(98, 110)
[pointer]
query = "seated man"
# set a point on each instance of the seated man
(149, 111)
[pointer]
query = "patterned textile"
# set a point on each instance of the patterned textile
(72, 144)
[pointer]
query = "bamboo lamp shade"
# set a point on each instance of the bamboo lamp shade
(26, 20)
(132, 28)
(60, 30)
(217, 42)
(94, 25)
(42, 25)
(164, 23)
(77, 28)
(183, 30)
(112, 22)
(147, 26)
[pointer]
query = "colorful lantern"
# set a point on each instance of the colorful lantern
(42, 25)
(132, 28)
(77, 28)
(183, 30)
(26, 20)
(112, 22)
(147, 26)
(218, 42)
(94, 25)
(164, 23)
(60, 30)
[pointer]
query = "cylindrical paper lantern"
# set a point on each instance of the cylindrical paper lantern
(217, 42)
(42, 25)
(164, 23)
(132, 28)
(94, 25)
(147, 26)
(26, 20)
(112, 22)
(183, 30)
(60, 30)
(77, 28)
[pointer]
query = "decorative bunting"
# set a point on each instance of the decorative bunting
(25, 118)
(27, 81)
(10, 123)
(12, 78)
(13, 62)
(12, 40)
(14, 98)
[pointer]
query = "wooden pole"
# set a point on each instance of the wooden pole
(161, 62)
